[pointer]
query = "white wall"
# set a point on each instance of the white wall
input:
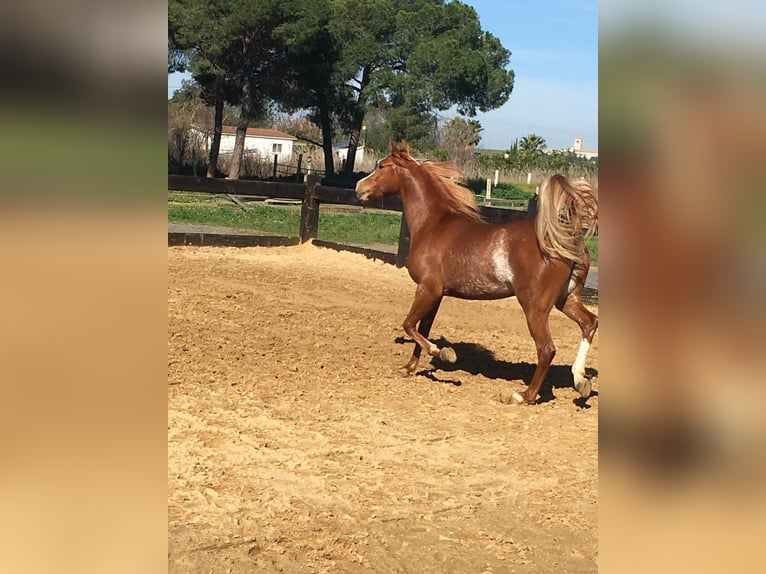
(263, 146)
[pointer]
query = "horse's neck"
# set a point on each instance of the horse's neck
(421, 205)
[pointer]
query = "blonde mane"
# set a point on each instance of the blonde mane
(458, 198)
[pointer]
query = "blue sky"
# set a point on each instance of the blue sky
(554, 54)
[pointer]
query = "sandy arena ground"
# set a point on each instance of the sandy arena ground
(293, 446)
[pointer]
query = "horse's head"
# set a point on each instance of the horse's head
(386, 178)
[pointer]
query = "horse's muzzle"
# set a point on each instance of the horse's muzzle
(362, 194)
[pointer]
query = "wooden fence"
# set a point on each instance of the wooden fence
(312, 195)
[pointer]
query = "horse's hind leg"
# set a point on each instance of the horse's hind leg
(424, 308)
(537, 321)
(573, 308)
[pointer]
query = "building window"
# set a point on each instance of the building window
(276, 148)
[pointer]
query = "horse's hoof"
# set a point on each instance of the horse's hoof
(403, 373)
(584, 388)
(517, 398)
(448, 355)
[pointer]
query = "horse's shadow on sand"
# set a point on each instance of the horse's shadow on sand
(478, 360)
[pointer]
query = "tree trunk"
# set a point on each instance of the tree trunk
(215, 145)
(353, 142)
(356, 127)
(239, 141)
(326, 125)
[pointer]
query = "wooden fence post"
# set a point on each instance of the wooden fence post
(403, 250)
(274, 173)
(310, 210)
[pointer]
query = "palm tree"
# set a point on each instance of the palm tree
(532, 145)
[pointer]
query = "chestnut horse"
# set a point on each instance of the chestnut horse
(453, 252)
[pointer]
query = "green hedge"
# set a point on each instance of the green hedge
(503, 190)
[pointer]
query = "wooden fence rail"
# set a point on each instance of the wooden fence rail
(312, 194)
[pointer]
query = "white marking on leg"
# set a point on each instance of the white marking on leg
(578, 367)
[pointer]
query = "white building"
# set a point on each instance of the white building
(579, 151)
(340, 151)
(265, 142)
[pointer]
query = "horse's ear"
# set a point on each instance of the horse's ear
(404, 148)
(394, 149)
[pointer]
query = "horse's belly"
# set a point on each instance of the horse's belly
(479, 288)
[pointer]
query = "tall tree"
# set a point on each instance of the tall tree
(311, 81)
(176, 57)
(214, 90)
(194, 45)
(191, 106)
(338, 59)
(233, 55)
(410, 58)
(418, 57)
(259, 61)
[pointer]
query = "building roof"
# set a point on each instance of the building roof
(261, 133)
(583, 150)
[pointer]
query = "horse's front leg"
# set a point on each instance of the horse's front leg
(424, 308)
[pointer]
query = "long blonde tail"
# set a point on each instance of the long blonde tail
(567, 213)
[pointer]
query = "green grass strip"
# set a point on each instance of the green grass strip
(350, 228)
